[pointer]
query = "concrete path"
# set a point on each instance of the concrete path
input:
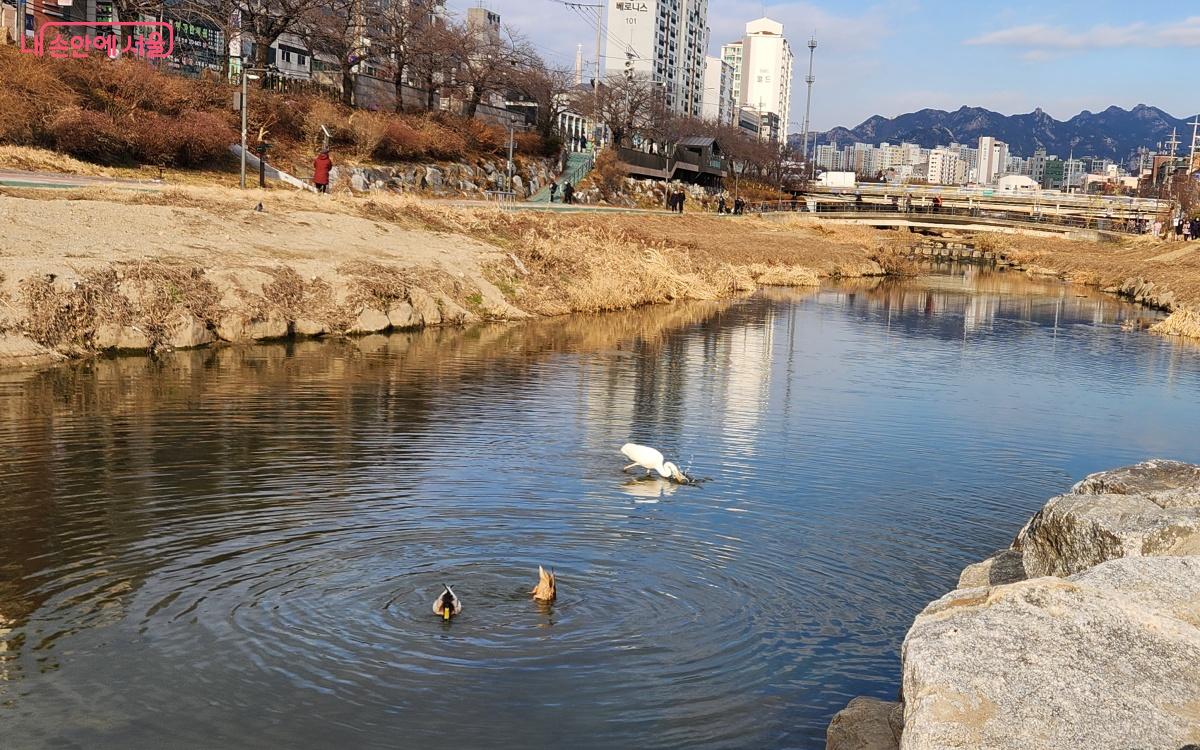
(20, 178)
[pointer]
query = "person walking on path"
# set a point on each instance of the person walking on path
(553, 190)
(1187, 230)
(908, 203)
(568, 193)
(321, 167)
(721, 205)
(682, 197)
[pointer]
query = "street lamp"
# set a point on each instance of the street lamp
(247, 74)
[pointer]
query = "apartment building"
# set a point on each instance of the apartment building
(664, 40)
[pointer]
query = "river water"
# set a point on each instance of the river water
(240, 547)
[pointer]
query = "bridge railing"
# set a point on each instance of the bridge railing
(952, 213)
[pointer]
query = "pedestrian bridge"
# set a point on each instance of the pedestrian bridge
(958, 219)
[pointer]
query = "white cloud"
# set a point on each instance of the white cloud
(1051, 39)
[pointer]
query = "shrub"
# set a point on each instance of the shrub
(30, 97)
(607, 174)
(318, 112)
(442, 142)
(89, 135)
(482, 137)
(201, 138)
(402, 142)
(367, 130)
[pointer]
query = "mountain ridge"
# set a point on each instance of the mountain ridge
(1113, 133)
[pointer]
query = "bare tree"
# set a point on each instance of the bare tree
(484, 60)
(408, 34)
(337, 28)
(548, 88)
(267, 20)
(626, 105)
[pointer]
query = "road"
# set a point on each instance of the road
(19, 178)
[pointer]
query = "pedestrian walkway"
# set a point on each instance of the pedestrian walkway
(579, 163)
(20, 178)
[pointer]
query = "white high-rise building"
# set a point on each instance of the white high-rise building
(718, 91)
(991, 161)
(664, 40)
(946, 167)
(762, 63)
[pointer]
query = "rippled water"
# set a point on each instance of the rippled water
(239, 548)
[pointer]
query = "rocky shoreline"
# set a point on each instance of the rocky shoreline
(1085, 633)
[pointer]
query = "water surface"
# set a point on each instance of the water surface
(240, 547)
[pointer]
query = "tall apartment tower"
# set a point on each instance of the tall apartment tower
(762, 63)
(665, 40)
(718, 91)
(991, 161)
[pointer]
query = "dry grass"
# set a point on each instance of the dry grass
(1182, 322)
(43, 160)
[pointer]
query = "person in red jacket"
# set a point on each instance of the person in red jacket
(321, 166)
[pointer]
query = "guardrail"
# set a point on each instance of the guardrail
(953, 215)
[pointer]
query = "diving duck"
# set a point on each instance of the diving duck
(545, 590)
(447, 604)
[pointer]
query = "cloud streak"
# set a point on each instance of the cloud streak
(1049, 39)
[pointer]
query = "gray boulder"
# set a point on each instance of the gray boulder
(1167, 483)
(369, 320)
(1074, 532)
(425, 307)
(866, 724)
(403, 316)
(1005, 566)
(1106, 660)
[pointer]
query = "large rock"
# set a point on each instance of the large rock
(120, 338)
(236, 327)
(1006, 566)
(1105, 660)
(403, 316)
(425, 307)
(1167, 483)
(369, 320)
(188, 332)
(1152, 508)
(866, 724)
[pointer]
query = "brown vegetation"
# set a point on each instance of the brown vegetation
(126, 112)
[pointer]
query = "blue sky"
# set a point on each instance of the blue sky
(895, 57)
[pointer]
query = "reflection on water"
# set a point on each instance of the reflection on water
(243, 543)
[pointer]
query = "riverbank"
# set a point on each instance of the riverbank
(1084, 633)
(97, 270)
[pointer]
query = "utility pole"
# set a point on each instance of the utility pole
(1195, 143)
(598, 10)
(808, 79)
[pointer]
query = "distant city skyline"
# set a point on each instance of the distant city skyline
(898, 57)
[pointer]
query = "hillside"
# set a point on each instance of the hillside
(1114, 133)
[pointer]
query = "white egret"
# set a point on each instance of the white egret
(651, 460)
(546, 590)
(447, 604)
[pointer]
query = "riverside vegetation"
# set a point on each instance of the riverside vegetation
(98, 270)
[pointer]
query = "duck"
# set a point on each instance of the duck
(651, 460)
(545, 591)
(447, 604)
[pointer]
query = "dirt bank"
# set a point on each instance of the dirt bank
(96, 270)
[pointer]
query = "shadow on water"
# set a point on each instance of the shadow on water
(245, 542)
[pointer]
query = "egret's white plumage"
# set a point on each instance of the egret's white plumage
(652, 460)
(447, 600)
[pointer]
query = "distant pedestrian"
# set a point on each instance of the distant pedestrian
(908, 203)
(858, 202)
(322, 165)
(553, 190)
(721, 205)
(937, 203)
(896, 203)
(680, 200)
(1158, 227)
(739, 206)
(568, 193)
(1195, 225)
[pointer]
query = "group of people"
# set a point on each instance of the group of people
(675, 200)
(1185, 228)
(568, 192)
(736, 208)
